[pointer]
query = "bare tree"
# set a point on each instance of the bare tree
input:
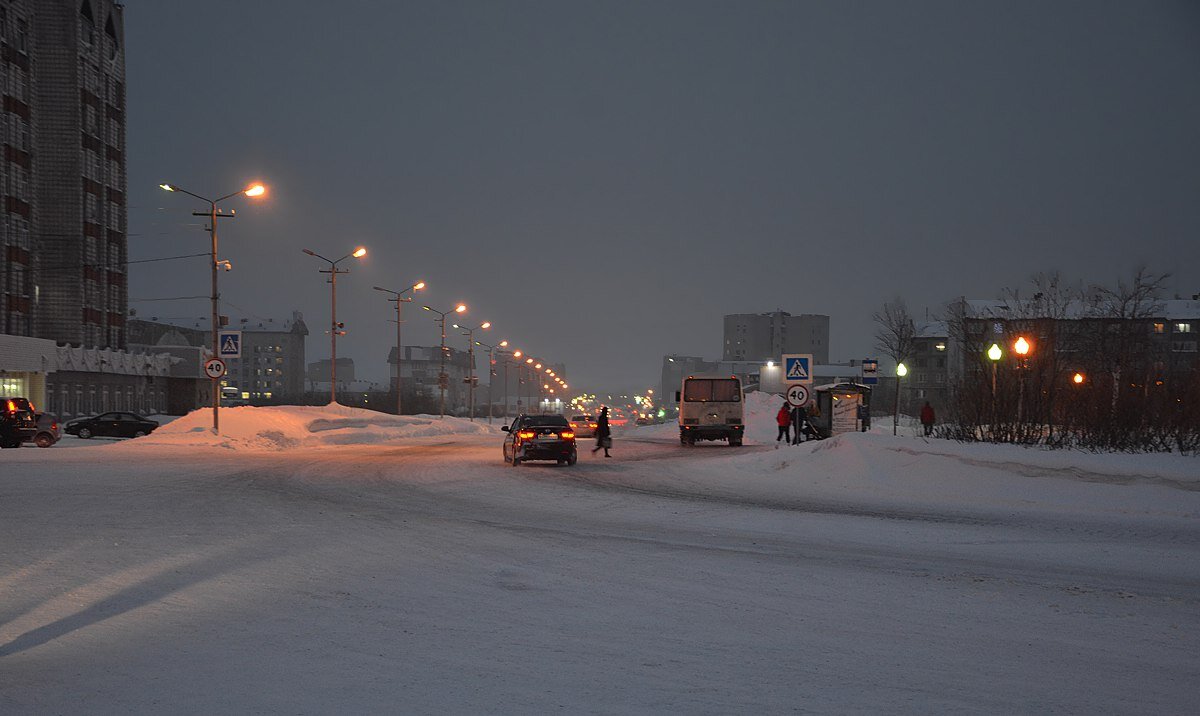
(894, 337)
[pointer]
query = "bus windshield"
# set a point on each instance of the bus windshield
(714, 390)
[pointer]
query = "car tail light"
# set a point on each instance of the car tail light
(595, 425)
(526, 434)
(567, 435)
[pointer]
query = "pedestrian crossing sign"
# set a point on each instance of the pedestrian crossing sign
(229, 344)
(797, 368)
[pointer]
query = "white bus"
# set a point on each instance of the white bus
(711, 408)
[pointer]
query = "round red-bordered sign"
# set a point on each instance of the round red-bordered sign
(214, 368)
(797, 395)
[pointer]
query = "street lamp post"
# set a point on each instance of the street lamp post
(1021, 348)
(398, 297)
(994, 354)
(335, 328)
(254, 190)
(901, 371)
(492, 375)
(443, 379)
(469, 332)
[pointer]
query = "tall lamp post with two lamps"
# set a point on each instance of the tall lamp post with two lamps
(253, 191)
(492, 376)
(335, 328)
(443, 379)
(469, 332)
(400, 300)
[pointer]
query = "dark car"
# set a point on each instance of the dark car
(17, 422)
(49, 430)
(111, 425)
(540, 437)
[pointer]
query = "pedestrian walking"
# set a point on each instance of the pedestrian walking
(927, 418)
(784, 419)
(799, 424)
(603, 433)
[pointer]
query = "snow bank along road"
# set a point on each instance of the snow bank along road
(861, 574)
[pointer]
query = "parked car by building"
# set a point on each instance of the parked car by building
(111, 425)
(49, 430)
(17, 422)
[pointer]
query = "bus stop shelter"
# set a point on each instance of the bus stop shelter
(841, 408)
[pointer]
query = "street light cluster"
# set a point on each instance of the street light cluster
(546, 378)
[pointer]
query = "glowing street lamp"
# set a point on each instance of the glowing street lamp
(1078, 379)
(901, 371)
(253, 191)
(469, 332)
(398, 297)
(443, 379)
(335, 328)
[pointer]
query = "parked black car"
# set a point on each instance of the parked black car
(17, 422)
(111, 425)
(49, 430)
(540, 437)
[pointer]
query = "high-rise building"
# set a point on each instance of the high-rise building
(17, 249)
(766, 336)
(64, 225)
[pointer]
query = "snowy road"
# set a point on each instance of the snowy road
(432, 577)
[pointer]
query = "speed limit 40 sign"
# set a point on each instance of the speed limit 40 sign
(797, 395)
(214, 368)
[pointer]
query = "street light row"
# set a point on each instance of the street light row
(258, 190)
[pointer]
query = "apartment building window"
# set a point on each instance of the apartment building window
(1183, 328)
(1160, 327)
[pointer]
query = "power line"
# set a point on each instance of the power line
(65, 267)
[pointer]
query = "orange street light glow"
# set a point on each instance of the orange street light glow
(359, 252)
(255, 190)
(1021, 346)
(419, 286)
(517, 354)
(1078, 378)
(528, 360)
(166, 187)
(460, 308)
(503, 344)
(486, 324)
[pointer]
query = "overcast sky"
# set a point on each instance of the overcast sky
(605, 180)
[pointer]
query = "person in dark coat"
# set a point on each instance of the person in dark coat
(603, 432)
(927, 418)
(783, 419)
(799, 424)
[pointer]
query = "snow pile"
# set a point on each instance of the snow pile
(761, 409)
(899, 472)
(294, 426)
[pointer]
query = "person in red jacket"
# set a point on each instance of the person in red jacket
(927, 418)
(784, 420)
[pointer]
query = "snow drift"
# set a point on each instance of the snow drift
(292, 426)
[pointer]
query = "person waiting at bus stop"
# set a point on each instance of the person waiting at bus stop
(800, 429)
(784, 419)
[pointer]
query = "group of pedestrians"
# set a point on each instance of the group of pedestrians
(794, 427)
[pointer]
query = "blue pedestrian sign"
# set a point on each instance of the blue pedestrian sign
(797, 368)
(870, 371)
(229, 344)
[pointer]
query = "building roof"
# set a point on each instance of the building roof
(1171, 309)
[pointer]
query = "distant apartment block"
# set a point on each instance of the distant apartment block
(765, 336)
(271, 366)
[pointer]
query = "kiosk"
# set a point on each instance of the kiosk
(841, 408)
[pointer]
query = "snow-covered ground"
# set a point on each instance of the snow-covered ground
(332, 560)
